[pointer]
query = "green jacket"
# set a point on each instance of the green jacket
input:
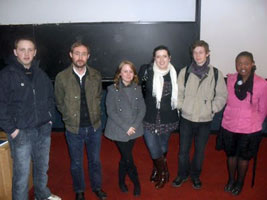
(68, 97)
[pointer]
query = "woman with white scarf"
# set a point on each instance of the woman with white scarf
(161, 117)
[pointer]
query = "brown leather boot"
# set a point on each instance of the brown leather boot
(154, 175)
(166, 168)
(160, 165)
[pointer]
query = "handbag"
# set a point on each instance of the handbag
(219, 141)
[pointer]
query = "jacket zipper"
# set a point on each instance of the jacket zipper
(34, 103)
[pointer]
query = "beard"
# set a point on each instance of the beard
(79, 64)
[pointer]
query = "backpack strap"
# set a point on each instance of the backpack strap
(186, 75)
(215, 71)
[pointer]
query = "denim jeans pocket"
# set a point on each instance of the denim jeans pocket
(20, 138)
(46, 129)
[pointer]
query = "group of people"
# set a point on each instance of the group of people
(153, 103)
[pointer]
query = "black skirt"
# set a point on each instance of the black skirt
(240, 145)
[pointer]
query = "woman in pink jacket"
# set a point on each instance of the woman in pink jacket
(242, 119)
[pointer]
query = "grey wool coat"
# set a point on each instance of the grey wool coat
(125, 108)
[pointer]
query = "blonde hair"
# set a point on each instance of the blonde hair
(117, 76)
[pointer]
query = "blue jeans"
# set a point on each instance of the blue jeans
(156, 144)
(92, 140)
(199, 131)
(30, 144)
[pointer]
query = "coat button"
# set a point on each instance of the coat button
(136, 98)
(120, 109)
(119, 100)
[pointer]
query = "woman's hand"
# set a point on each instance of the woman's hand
(131, 131)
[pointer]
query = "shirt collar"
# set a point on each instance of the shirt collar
(80, 76)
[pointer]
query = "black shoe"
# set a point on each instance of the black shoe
(123, 188)
(80, 196)
(237, 189)
(229, 186)
(137, 190)
(100, 194)
(196, 183)
(178, 181)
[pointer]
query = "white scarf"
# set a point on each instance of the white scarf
(158, 82)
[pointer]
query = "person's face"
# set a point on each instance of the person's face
(25, 52)
(200, 55)
(162, 59)
(244, 66)
(79, 56)
(126, 74)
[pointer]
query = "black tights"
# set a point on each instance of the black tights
(237, 166)
(125, 149)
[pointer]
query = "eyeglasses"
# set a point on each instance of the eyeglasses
(82, 54)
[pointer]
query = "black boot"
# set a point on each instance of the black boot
(160, 165)
(132, 172)
(122, 175)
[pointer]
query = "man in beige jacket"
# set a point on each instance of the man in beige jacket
(202, 93)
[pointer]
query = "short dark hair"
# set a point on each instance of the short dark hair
(28, 38)
(246, 54)
(200, 43)
(77, 44)
(161, 47)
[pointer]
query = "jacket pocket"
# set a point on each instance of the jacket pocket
(206, 110)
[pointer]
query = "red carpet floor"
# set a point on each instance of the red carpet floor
(214, 174)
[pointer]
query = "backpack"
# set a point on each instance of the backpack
(143, 76)
(215, 71)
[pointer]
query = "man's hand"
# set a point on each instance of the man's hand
(15, 133)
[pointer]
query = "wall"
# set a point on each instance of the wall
(110, 43)
(232, 26)
(70, 11)
(229, 26)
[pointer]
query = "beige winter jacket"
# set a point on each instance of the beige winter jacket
(197, 102)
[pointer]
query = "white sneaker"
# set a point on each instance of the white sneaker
(53, 197)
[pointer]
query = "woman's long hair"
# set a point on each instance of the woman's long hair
(117, 77)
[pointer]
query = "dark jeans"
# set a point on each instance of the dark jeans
(30, 144)
(199, 131)
(157, 144)
(92, 140)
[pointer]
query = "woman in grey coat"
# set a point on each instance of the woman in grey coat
(126, 110)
